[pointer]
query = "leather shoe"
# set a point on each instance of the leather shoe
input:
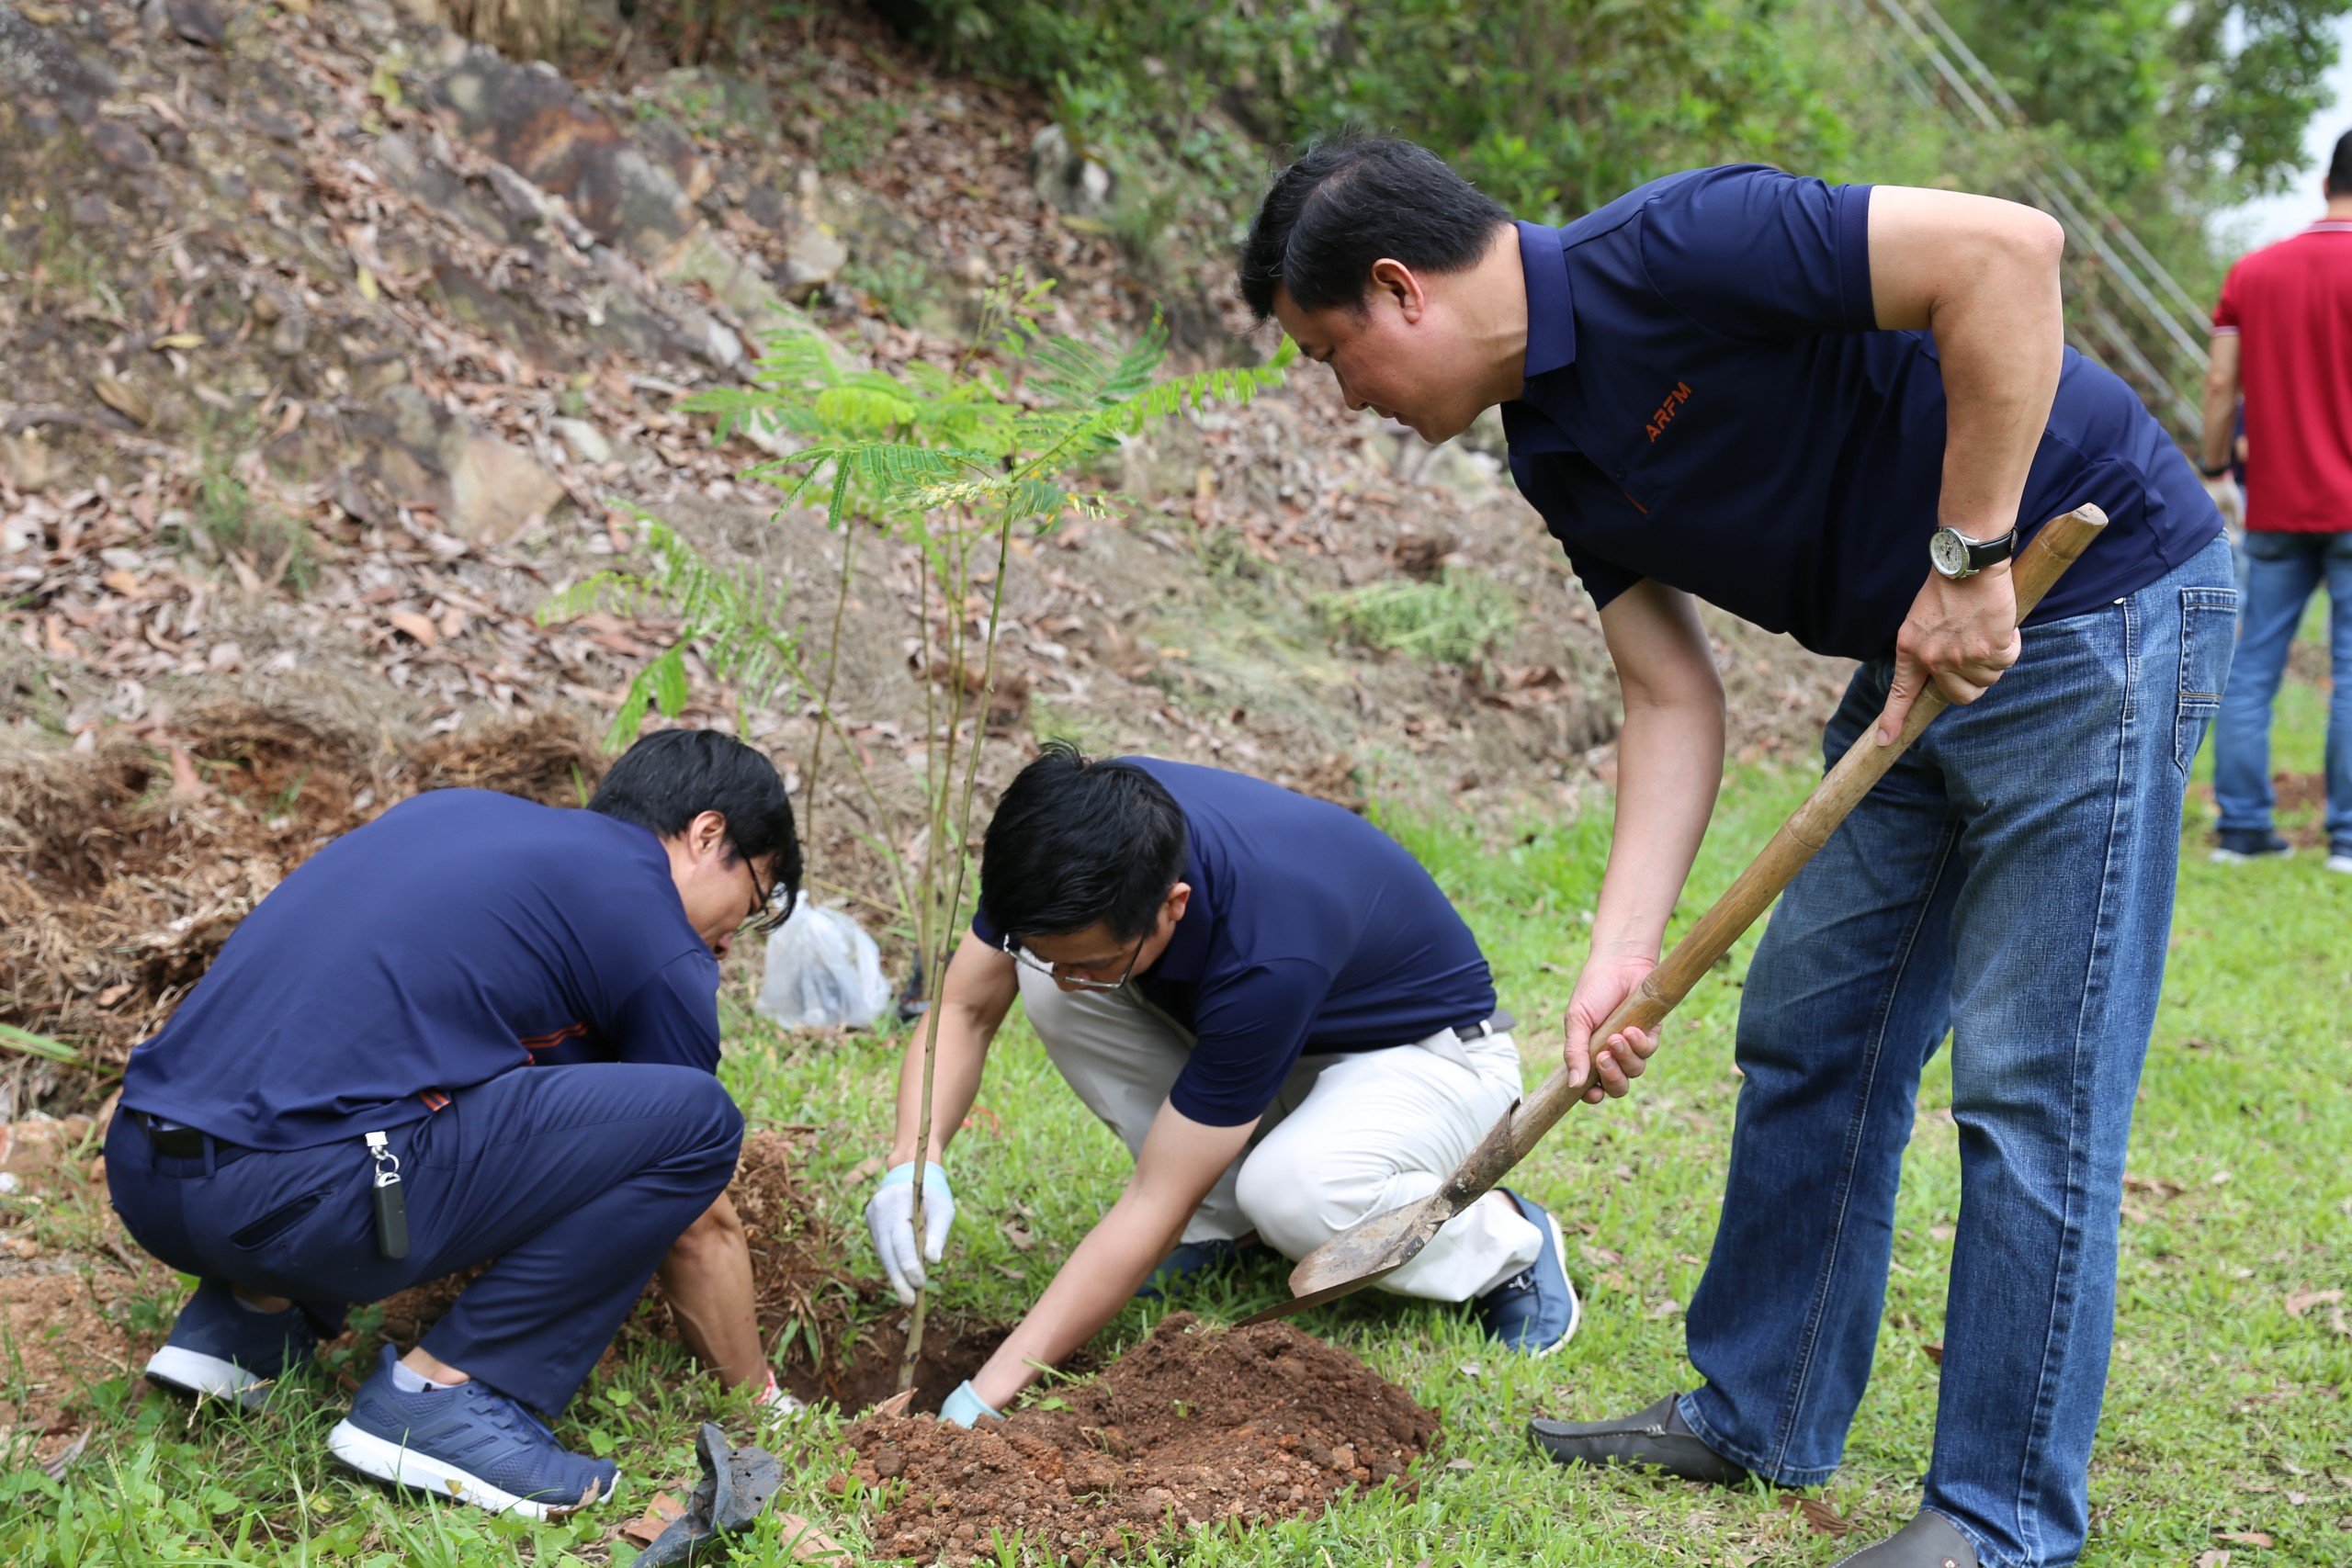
(1656, 1438)
(1928, 1541)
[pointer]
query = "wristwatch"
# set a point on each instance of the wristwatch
(2216, 471)
(1954, 555)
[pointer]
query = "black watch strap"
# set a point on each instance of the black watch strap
(2216, 473)
(1983, 553)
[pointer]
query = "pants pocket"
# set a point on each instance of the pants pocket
(277, 1221)
(2209, 624)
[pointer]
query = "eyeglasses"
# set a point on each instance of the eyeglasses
(763, 916)
(1066, 973)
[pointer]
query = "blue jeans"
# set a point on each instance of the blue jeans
(2009, 882)
(2282, 571)
(577, 1179)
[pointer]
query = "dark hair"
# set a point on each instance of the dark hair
(1076, 842)
(2339, 167)
(673, 776)
(1348, 202)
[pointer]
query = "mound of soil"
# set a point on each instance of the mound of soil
(128, 866)
(1193, 1428)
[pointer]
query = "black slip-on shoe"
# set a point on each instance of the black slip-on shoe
(1654, 1437)
(1928, 1541)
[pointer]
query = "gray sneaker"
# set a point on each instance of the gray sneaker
(1928, 1541)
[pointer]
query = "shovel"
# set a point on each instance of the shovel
(1381, 1244)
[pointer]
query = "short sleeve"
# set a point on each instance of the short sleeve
(673, 1016)
(1602, 580)
(1761, 255)
(984, 931)
(1248, 1033)
(2225, 310)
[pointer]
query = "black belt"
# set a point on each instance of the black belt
(185, 1147)
(1500, 1022)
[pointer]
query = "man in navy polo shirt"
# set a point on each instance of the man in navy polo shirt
(1835, 411)
(1275, 1009)
(476, 1028)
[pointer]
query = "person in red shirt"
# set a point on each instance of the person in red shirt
(2282, 337)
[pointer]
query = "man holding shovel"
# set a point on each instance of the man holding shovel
(1837, 411)
(1270, 1003)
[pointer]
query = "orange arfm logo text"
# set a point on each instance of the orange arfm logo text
(1666, 410)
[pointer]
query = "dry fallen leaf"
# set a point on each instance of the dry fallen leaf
(124, 399)
(654, 1520)
(2216, 1559)
(1818, 1516)
(896, 1405)
(417, 627)
(2246, 1538)
(2303, 1302)
(806, 1542)
(1935, 1350)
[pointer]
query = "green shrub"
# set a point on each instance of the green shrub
(1457, 618)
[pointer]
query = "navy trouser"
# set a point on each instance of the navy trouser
(576, 1180)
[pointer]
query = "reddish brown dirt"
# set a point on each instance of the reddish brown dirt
(863, 1370)
(1195, 1427)
(2304, 798)
(128, 867)
(56, 1339)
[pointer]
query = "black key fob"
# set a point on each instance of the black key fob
(391, 1203)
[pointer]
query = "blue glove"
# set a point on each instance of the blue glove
(964, 1407)
(889, 1220)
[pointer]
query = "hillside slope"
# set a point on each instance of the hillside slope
(335, 344)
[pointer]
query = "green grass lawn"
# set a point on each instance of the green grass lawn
(2226, 1422)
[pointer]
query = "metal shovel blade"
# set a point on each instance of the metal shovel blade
(1363, 1254)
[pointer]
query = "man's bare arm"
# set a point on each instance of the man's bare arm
(1982, 275)
(1670, 760)
(707, 1279)
(1181, 1160)
(980, 989)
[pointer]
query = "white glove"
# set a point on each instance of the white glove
(890, 1220)
(2227, 496)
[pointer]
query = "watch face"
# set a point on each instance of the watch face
(1949, 553)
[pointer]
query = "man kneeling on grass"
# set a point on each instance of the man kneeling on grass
(477, 1028)
(1272, 1005)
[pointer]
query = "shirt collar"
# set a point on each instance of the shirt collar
(1551, 318)
(1186, 954)
(2331, 226)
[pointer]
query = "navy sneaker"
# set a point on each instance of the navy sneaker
(2233, 845)
(2339, 855)
(221, 1350)
(471, 1443)
(1192, 1264)
(1535, 1311)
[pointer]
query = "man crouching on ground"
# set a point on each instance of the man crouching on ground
(340, 1110)
(1274, 1006)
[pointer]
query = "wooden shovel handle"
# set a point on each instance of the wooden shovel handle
(2051, 551)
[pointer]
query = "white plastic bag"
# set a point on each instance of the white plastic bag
(823, 972)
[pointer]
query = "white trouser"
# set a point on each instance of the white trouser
(1349, 1136)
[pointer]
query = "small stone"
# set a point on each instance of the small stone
(1343, 1457)
(1066, 180)
(813, 257)
(87, 210)
(199, 21)
(497, 493)
(585, 441)
(890, 1463)
(290, 335)
(121, 146)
